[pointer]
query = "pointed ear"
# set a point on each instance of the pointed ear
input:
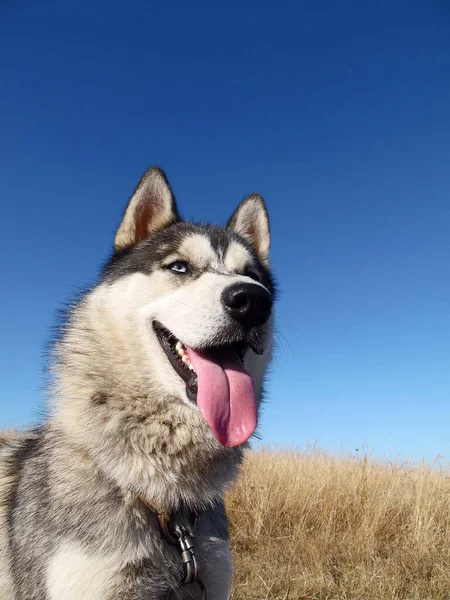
(151, 208)
(251, 221)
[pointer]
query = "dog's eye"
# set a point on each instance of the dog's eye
(179, 266)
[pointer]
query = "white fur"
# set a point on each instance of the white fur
(197, 250)
(73, 574)
(237, 258)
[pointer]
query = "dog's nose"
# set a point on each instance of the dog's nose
(249, 304)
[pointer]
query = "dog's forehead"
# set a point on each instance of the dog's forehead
(197, 248)
(210, 249)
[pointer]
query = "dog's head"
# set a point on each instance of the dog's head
(200, 299)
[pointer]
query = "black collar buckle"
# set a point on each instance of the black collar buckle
(185, 544)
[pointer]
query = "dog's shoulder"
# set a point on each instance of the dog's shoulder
(14, 445)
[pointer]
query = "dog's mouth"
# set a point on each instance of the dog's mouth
(216, 380)
(178, 356)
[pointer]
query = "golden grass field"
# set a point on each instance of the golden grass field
(312, 526)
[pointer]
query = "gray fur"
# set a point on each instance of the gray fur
(120, 425)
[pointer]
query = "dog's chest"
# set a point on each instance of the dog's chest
(75, 574)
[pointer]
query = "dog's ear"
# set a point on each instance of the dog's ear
(151, 208)
(251, 221)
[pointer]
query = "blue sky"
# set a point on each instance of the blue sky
(337, 112)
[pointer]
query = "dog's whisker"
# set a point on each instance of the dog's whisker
(284, 339)
(183, 303)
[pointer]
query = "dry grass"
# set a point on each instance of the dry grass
(311, 526)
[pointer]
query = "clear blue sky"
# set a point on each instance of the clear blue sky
(337, 112)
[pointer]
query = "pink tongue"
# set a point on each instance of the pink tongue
(225, 396)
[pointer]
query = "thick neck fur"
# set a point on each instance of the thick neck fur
(109, 400)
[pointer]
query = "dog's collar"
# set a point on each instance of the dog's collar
(165, 518)
(176, 534)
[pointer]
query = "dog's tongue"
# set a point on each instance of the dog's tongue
(225, 396)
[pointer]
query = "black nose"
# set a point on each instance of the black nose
(248, 303)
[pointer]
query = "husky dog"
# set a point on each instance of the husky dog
(155, 385)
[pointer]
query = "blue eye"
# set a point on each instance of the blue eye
(179, 266)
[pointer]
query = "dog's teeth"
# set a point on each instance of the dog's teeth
(187, 363)
(179, 349)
